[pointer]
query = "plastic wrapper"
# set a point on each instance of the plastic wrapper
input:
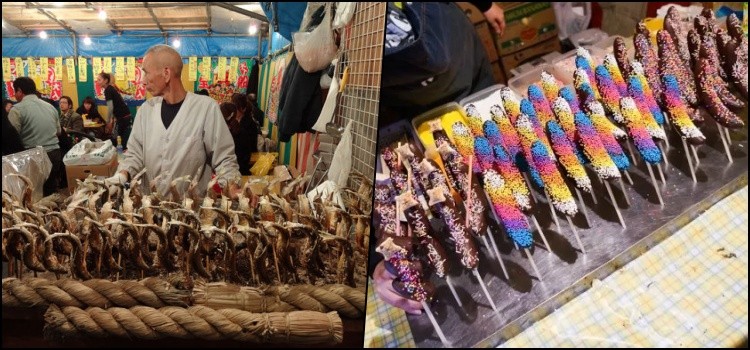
(315, 49)
(34, 164)
(90, 153)
(264, 164)
(341, 164)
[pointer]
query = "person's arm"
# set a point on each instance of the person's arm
(15, 119)
(220, 147)
(77, 122)
(494, 14)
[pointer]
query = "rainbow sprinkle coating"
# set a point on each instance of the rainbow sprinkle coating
(610, 94)
(678, 111)
(486, 156)
(671, 63)
(596, 110)
(636, 91)
(594, 149)
(540, 105)
(550, 86)
(557, 191)
(570, 96)
(584, 62)
(511, 105)
(638, 133)
(565, 117)
(566, 154)
(510, 137)
(407, 273)
(539, 120)
(464, 142)
(474, 119)
(603, 128)
(653, 106)
(502, 201)
(614, 71)
(583, 88)
(492, 133)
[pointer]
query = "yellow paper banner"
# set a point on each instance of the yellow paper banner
(119, 68)
(18, 61)
(71, 64)
(44, 65)
(206, 71)
(234, 63)
(193, 68)
(107, 65)
(131, 68)
(58, 68)
(96, 66)
(221, 69)
(82, 66)
(32, 68)
(6, 68)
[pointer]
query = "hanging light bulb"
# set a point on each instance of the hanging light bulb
(43, 35)
(253, 29)
(102, 15)
(176, 43)
(86, 40)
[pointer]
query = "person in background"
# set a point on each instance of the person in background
(203, 92)
(89, 112)
(118, 112)
(246, 142)
(258, 114)
(447, 63)
(11, 141)
(7, 104)
(37, 125)
(69, 120)
(177, 133)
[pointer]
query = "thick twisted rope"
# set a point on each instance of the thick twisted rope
(195, 322)
(155, 292)
(31, 292)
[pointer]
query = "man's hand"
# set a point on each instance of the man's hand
(384, 288)
(496, 17)
(118, 179)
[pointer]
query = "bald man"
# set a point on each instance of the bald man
(177, 133)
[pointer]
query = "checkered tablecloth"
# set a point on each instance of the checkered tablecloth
(691, 290)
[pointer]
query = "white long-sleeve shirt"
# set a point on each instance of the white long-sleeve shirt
(197, 142)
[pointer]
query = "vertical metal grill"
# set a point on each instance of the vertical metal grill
(362, 52)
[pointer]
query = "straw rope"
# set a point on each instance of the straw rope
(195, 322)
(32, 292)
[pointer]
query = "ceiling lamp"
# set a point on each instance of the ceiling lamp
(87, 40)
(102, 15)
(176, 43)
(253, 29)
(43, 35)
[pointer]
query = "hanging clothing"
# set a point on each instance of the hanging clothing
(301, 101)
(196, 143)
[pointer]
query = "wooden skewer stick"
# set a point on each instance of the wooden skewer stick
(630, 149)
(531, 189)
(593, 196)
(624, 194)
(484, 289)
(661, 173)
(630, 179)
(541, 233)
(729, 135)
(653, 182)
(435, 324)
(663, 152)
(689, 159)
(575, 232)
(695, 153)
(666, 137)
(533, 264)
(497, 253)
(453, 291)
(583, 207)
(614, 204)
(552, 210)
(489, 248)
(726, 145)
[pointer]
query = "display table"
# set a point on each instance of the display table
(691, 290)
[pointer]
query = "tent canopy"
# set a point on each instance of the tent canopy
(203, 29)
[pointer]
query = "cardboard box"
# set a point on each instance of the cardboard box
(498, 73)
(471, 11)
(74, 172)
(518, 58)
(526, 24)
(488, 40)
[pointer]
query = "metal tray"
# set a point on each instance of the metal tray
(567, 273)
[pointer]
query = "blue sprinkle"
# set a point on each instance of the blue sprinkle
(588, 92)
(670, 83)
(651, 155)
(536, 178)
(522, 237)
(602, 72)
(482, 147)
(621, 160)
(535, 91)
(500, 153)
(554, 129)
(538, 149)
(569, 95)
(492, 132)
(582, 63)
(528, 108)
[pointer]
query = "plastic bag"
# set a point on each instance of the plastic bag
(34, 164)
(90, 153)
(264, 164)
(326, 114)
(316, 49)
(341, 164)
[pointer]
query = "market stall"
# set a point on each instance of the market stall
(280, 262)
(498, 210)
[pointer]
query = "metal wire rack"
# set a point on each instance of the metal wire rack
(362, 53)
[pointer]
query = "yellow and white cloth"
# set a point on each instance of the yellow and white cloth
(691, 290)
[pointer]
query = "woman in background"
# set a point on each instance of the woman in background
(88, 111)
(247, 141)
